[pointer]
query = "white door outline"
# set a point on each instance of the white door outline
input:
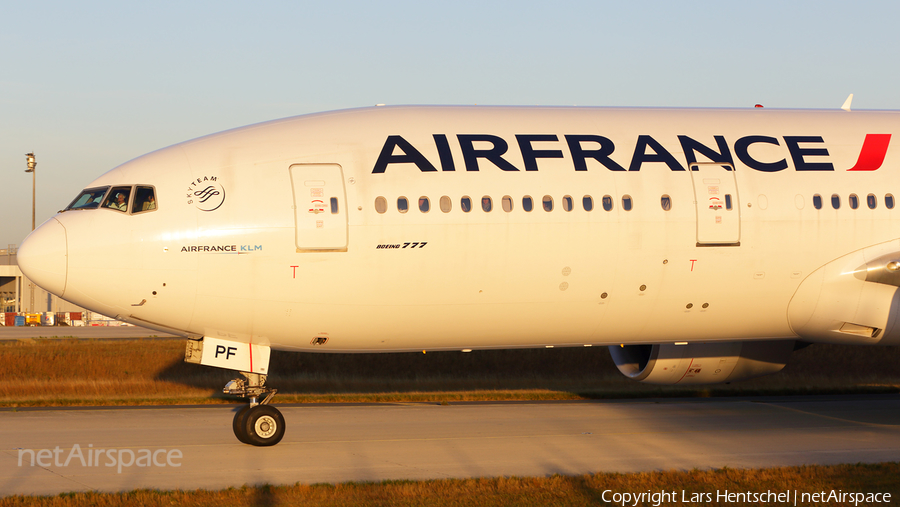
(717, 204)
(320, 207)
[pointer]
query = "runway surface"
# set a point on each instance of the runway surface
(373, 442)
(99, 332)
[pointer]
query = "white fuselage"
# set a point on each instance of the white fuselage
(294, 248)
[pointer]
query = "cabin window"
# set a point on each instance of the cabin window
(117, 199)
(889, 201)
(607, 203)
(466, 204)
(854, 201)
(587, 202)
(817, 201)
(871, 201)
(424, 204)
(666, 202)
(487, 204)
(402, 204)
(728, 204)
(380, 204)
(626, 202)
(568, 203)
(446, 204)
(527, 203)
(547, 203)
(145, 199)
(506, 203)
(835, 201)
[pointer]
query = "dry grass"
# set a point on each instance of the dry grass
(92, 372)
(542, 491)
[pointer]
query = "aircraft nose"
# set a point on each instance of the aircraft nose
(43, 257)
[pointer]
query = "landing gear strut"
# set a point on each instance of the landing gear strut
(258, 423)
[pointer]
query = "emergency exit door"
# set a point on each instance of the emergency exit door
(716, 201)
(320, 207)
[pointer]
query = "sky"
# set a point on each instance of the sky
(89, 85)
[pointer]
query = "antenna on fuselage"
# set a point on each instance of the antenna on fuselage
(846, 106)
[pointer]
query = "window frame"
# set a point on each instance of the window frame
(608, 199)
(134, 210)
(489, 204)
(90, 190)
(462, 205)
(380, 199)
(547, 199)
(112, 191)
(530, 206)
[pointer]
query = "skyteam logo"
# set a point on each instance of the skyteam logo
(206, 193)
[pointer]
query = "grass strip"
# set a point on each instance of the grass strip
(557, 490)
(152, 372)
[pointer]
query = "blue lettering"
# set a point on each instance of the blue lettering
(797, 153)
(493, 149)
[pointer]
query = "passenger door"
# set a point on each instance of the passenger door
(320, 207)
(717, 204)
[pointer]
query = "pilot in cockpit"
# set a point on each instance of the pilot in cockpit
(119, 203)
(149, 204)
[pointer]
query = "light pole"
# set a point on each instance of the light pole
(29, 157)
(31, 165)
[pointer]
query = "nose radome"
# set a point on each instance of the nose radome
(43, 257)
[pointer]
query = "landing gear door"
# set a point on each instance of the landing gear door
(320, 207)
(716, 201)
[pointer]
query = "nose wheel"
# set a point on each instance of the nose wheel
(259, 425)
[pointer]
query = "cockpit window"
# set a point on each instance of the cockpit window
(118, 198)
(144, 199)
(88, 199)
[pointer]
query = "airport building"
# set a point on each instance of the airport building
(19, 297)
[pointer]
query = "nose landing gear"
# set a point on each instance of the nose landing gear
(258, 423)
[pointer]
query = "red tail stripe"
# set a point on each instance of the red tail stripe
(873, 151)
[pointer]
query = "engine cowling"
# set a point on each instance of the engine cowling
(701, 363)
(853, 299)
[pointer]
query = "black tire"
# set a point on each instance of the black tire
(263, 425)
(238, 424)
